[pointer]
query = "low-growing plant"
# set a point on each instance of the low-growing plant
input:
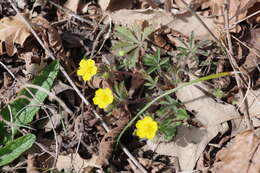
(131, 43)
(192, 50)
(154, 62)
(21, 112)
(167, 126)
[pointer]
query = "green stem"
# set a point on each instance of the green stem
(170, 92)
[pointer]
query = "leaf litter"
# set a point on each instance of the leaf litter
(215, 126)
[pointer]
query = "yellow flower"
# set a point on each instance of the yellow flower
(87, 69)
(146, 128)
(103, 97)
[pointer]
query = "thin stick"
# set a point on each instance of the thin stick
(234, 24)
(48, 52)
(71, 13)
(235, 67)
(201, 21)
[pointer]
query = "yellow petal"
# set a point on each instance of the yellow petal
(80, 72)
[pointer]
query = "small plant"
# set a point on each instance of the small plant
(151, 83)
(154, 62)
(121, 93)
(191, 50)
(21, 112)
(172, 115)
(218, 93)
(131, 43)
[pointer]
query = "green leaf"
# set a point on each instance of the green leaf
(15, 148)
(25, 107)
(131, 61)
(125, 34)
(138, 31)
(147, 31)
(168, 129)
(120, 45)
(181, 114)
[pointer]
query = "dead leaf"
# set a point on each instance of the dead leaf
(31, 67)
(188, 144)
(194, 4)
(73, 162)
(243, 155)
(113, 5)
(136, 81)
(72, 5)
(30, 165)
(237, 11)
(98, 82)
(12, 30)
(252, 60)
(207, 110)
(105, 147)
(156, 19)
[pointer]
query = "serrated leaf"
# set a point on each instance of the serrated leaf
(120, 45)
(137, 31)
(15, 148)
(181, 114)
(23, 109)
(126, 34)
(132, 59)
(147, 31)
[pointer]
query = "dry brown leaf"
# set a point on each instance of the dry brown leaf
(98, 82)
(191, 3)
(72, 5)
(252, 60)
(188, 144)
(106, 144)
(113, 5)
(12, 30)
(208, 111)
(73, 162)
(30, 165)
(243, 155)
(32, 68)
(158, 18)
(237, 10)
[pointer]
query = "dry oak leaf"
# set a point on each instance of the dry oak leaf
(113, 5)
(237, 10)
(12, 30)
(242, 156)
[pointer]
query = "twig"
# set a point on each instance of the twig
(235, 67)
(250, 48)
(107, 26)
(201, 21)
(51, 95)
(49, 53)
(70, 12)
(234, 24)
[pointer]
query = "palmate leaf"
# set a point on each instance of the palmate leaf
(147, 31)
(15, 148)
(24, 108)
(125, 34)
(131, 61)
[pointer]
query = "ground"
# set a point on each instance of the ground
(129, 86)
